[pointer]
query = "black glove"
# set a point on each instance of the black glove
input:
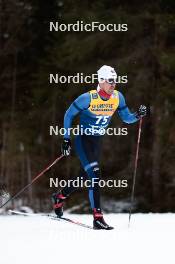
(66, 147)
(141, 112)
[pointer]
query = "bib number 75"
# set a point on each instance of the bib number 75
(102, 119)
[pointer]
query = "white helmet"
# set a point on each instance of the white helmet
(106, 72)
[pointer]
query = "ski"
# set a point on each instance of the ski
(74, 222)
(53, 217)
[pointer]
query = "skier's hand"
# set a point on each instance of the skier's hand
(66, 147)
(141, 112)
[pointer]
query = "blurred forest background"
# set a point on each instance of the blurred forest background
(29, 104)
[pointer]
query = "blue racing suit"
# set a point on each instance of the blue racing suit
(95, 114)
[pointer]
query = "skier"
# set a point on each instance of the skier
(95, 108)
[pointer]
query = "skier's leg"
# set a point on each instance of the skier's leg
(59, 197)
(88, 150)
(67, 190)
(88, 154)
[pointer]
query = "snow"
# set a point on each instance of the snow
(30, 240)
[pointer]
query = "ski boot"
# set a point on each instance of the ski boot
(58, 199)
(99, 222)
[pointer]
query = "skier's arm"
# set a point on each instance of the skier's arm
(80, 104)
(124, 111)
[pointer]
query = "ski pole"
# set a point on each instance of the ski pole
(34, 179)
(135, 169)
